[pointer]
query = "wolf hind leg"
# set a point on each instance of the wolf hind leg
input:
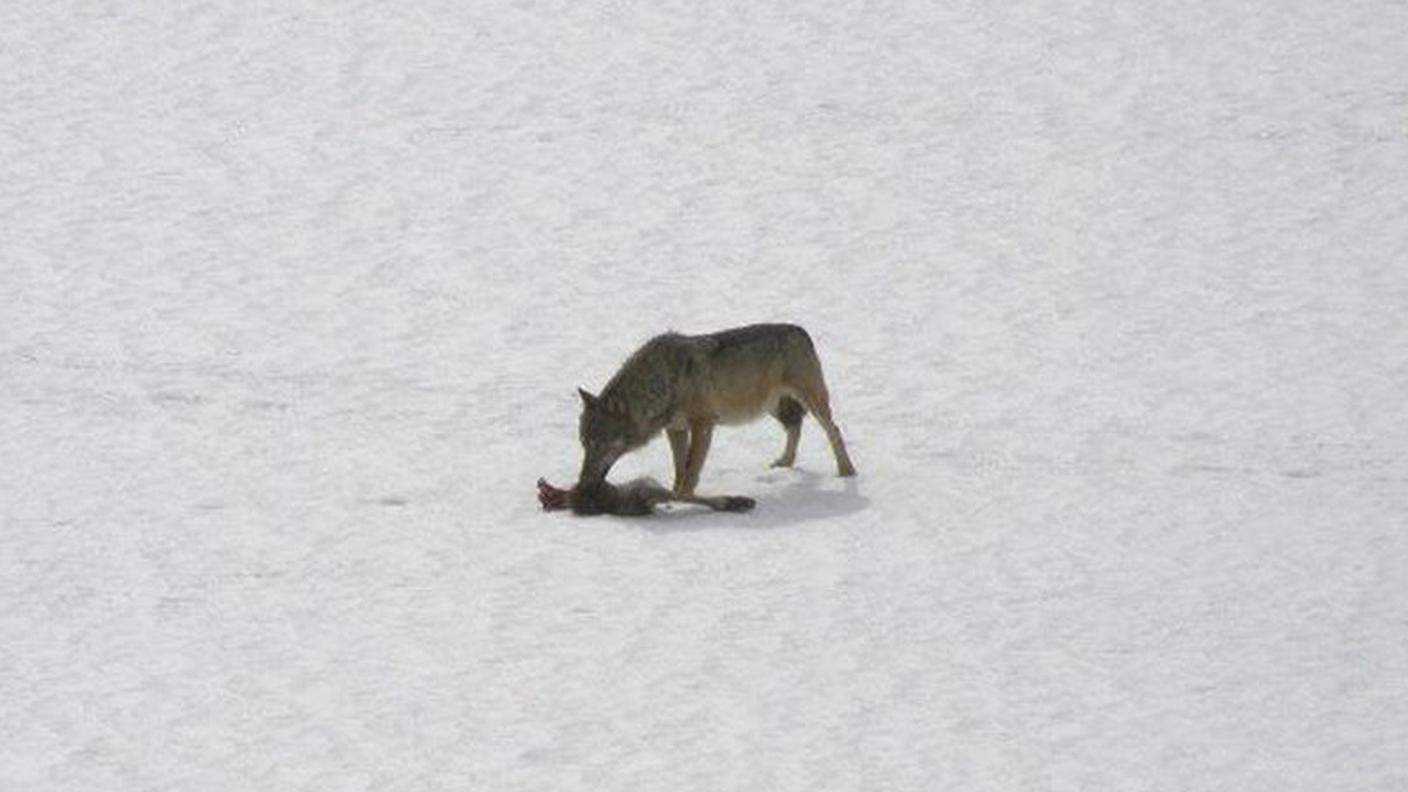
(803, 380)
(818, 403)
(789, 412)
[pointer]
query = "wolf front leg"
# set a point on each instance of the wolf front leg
(679, 452)
(700, 434)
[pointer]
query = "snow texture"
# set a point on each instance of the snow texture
(1112, 299)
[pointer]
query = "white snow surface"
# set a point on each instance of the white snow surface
(1112, 300)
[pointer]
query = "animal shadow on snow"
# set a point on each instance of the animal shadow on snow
(809, 496)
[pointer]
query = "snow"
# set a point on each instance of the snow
(1112, 300)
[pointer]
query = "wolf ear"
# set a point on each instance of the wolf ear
(588, 400)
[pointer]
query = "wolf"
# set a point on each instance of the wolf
(685, 385)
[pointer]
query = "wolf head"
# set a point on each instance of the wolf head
(605, 432)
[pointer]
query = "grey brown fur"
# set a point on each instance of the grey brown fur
(632, 499)
(686, 385)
